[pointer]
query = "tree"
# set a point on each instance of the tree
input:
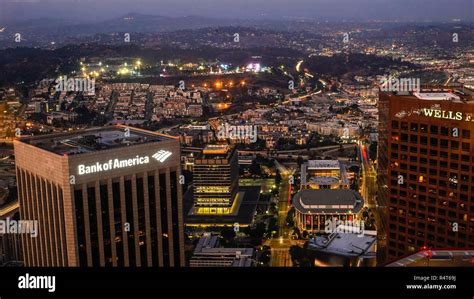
(272, 225)
(290, 217)
(277, 177)
(273, 208)
(299, 161)
(373, 151)
(265, 255)
(305, 234)
(258, 231)
(305, 262)
(296, 254)
(271, 163)
(255, 168)
(228, 234)
(354, 168)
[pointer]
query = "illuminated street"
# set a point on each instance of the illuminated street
(369, 192)
(280, 244)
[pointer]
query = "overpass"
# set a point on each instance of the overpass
(9, 209)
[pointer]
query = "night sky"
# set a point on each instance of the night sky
(322, 10)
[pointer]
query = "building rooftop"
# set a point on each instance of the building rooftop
(216, 152)
(323, 172)
(437, 258)
(221, 149)
(94, 139)
(347, 244)
(319, 201)
(323, 180)
(323, 164)
(245, 214)
(456, 95)
(437, 96)
(208, 253)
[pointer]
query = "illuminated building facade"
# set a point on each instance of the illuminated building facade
(426, 170)
(102, 197)
(215, 177)
(313, 207)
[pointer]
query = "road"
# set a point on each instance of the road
(280, 244)
(369, 193)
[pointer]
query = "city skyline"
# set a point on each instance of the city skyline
(236, 134)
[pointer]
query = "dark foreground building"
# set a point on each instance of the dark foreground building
(102, 197)
(426, 170)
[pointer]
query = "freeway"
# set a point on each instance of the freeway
(9, 209)
(321, 148)
(278, 154)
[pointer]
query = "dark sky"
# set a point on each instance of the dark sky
(333, 10)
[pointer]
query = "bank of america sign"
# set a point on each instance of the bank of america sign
(160, 156)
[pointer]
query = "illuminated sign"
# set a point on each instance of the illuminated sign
(443, 114)
(161, 155)
(113, 164)
(452, 115)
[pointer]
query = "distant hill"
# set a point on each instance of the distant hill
(128, 23)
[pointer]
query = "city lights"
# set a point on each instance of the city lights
(236, 134)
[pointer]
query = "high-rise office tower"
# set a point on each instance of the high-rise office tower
(215, 177)
(102, 197)
(426, 169)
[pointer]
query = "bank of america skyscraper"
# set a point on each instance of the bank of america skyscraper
(102, 197)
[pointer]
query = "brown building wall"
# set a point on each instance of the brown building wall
(47, 195)
(434, 155)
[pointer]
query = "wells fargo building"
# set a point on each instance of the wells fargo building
(102, 197)
(426, 170)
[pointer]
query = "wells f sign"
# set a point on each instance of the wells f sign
(161, 155)
(452, 115)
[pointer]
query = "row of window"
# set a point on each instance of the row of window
(441, 178)
(432, 202)
(396, 225)
(460, 215)
(432, 129)
(432, 152)
(123, 235)
(420, 240)
(432, 162)
(432, 141)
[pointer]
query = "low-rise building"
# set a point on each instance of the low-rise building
(313, 207)
(208, 254)
(324, 174)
